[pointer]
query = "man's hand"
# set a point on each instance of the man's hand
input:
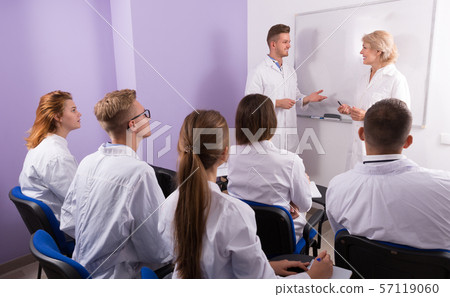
(314, 97)
(294, 210)
(285, 103)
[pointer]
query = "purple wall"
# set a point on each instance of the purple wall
(47, 45)
(200, 48)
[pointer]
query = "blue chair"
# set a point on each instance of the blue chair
(54, 263)
(37, 215)
(276, 231)
(379, 259)
(147, 273)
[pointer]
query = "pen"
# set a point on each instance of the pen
(339, 103)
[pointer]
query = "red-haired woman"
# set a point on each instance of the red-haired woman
(49, 167)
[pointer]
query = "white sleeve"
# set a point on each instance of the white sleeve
(330, 202)
(400, 90)
(254, 83)
(59, 174)
(300, 190)
(144, 204)
(67, 211)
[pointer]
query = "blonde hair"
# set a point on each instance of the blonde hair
(114, 111)
(194, 199)
(50, 106)
(384, 42)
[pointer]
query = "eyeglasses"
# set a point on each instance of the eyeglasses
(146, 113)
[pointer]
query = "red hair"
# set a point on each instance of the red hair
(50, 106)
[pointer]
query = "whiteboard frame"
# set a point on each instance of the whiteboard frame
(430, 49)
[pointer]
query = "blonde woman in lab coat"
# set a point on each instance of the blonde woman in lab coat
(49, 167)
(213, 234)
(382, 81)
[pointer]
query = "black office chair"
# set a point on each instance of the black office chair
(166, 179)
(275, 229)
(38, 215)
(376, 259)
(321, 201)
(55, 264)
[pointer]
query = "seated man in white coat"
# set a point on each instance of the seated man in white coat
(110, 208)
(389, 197)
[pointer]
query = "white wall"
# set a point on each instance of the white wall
(427, 150)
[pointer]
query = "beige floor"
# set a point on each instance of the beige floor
(26, 272)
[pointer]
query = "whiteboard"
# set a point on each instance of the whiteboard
(328, 43)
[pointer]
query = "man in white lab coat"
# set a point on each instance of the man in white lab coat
(110, 208)
(389, 197)
(278, 81)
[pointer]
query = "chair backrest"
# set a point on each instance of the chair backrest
(166, 179)
(147, 273)
(38, 215)
(375, 259)
(54, 263)
(275, 228)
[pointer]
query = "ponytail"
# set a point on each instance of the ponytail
(194, 200)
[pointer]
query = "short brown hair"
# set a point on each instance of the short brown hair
(276, 30)
(387, 124)
(114, 110)
(382, 41)
(255, 111)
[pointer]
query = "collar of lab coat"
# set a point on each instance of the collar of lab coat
(401, 164)
(57, 138)
(118, 150)
(383, 157)
(214, 187)
(387, 70)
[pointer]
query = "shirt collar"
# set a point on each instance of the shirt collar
(270, 62)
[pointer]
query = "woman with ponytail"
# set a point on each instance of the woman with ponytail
(213, 234)
(49, 167)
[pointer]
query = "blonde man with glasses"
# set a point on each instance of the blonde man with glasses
(110, 208)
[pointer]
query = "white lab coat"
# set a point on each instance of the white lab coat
(114, 195)
(47, 172)
(387, 83)
(263, 173)
(396, 201)
(231, 248)
(269, 80)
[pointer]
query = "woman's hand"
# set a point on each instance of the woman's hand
(322, 267)
(280, 267)
(344, 109)
(357, 114)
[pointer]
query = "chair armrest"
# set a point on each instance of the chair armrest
(313, 221)
(165, 270)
